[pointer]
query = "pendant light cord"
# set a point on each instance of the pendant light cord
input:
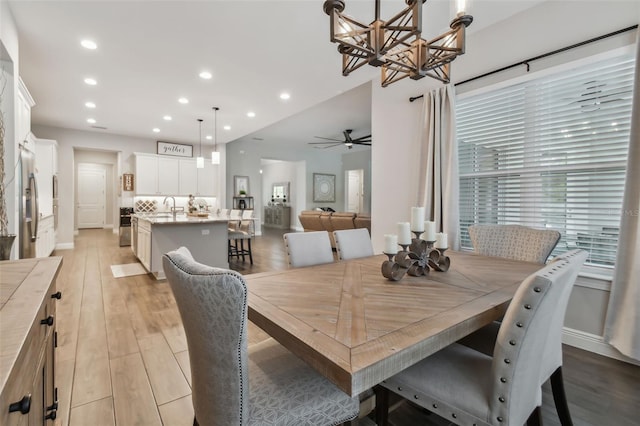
(200, 123)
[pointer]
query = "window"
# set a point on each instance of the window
(550, 153)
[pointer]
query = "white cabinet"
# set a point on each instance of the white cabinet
(23, 113)
(162, 175)
(207, 180)
(188, 177)
(144, 243)
(46, 239)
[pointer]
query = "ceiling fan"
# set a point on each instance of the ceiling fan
(348, 141)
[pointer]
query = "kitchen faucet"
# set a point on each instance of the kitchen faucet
(173, 209)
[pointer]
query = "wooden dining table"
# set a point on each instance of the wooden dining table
(358, 328)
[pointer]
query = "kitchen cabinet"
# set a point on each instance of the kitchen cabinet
(156, 175)
(277, 217)
(162, 175)
(144, 243)
(23, 114)
(46, 153)
(46, 239)
(27, 339)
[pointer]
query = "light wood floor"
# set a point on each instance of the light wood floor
(122, 355)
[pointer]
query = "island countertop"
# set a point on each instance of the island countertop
(178, 219)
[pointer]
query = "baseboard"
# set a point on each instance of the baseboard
(64, 246)
(593, 343)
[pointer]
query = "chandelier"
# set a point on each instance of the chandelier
(396, 45)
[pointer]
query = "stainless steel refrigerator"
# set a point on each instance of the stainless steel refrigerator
(29, 212)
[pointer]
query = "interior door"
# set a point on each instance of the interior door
(355, 190)
(91, 196)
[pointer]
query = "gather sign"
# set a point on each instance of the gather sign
(175, 149)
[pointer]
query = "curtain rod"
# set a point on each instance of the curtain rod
(544, 55)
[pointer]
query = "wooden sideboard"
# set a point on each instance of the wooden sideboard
(28, 296)
(277, 217)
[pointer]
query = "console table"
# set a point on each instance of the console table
(277, 217)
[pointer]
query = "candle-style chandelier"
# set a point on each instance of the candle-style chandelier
(396, 45)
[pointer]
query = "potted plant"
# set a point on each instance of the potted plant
(6, 239)
(242, 192)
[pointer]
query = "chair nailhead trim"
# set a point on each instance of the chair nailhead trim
(507, 361)
(454, 415)
(537, 289)
(416, 397)
(500, 419)
(435, 405)
(503, 380)
(527, 306)
(512, 342)
(501, 399)
(399, 388)
(519, 324)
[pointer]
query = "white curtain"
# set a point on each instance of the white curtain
(438, 181)
(622, 326)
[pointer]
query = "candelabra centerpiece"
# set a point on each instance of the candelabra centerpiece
(418, 256)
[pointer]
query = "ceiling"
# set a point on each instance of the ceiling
(150, 53)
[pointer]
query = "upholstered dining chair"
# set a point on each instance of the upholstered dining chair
(233, 384)
(468, 387)
(514, 242)
(353, 243)
(307, 248)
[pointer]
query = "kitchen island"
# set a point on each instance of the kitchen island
(158, 233)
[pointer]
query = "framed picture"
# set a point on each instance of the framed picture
(127, 182)
(241, 185)
(175, 149)
(324, 187)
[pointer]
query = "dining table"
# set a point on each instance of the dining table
(357, 328)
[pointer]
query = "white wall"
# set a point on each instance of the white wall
(549, 26)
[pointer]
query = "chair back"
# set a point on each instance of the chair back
(213, 307)
(514, 242)
(533, 313)
(224, 213)
(247, 214)
(353, 243)
(307, 248)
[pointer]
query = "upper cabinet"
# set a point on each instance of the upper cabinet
(164, 175)
(24, 103)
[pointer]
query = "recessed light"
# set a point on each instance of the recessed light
(167, 118)
(205, 75)
(251, 114)
(208, 137)
(89, 44)
(284, 96)
(90, 81)
(89, 104)
(91, 120)
(156, 130)
(227, 127)
(183, 100)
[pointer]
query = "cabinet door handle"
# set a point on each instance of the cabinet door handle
(24, 405)
(56, 295)
(47, 321)
(51, 416)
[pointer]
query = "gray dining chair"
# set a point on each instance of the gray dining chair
(307, 248)
(233, 384)
(468, 387)
(514, 242)
(353, 243)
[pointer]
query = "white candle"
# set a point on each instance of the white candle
(390, 243)
(429, 231)
(404, 233)
(442, 240)
(417, 219)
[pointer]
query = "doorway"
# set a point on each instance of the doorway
(91, 195)
(355, 190)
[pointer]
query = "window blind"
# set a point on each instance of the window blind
(550, 153)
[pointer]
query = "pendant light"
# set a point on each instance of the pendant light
(215, 155)
(200, 158)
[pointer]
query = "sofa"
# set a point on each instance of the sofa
(316, 220)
